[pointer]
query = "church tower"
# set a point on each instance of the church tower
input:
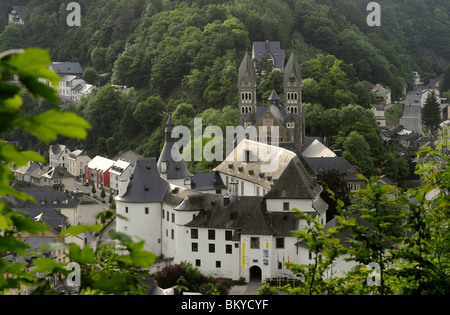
(247, 92)
(294, 111)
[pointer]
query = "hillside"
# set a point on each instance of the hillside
(183, 56)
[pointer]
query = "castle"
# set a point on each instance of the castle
(237, 221)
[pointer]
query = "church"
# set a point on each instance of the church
(288, 120)
(240, 225)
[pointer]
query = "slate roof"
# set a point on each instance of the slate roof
(261, 49)
(207, 181)
(176, 168)
(258, 169)
(292, 66)
(46, 197)
(67, 68)
(317, 149)
(243, 214)
(294, 183)
(49, 216)
(246, 67)
(57, 172)
(319, 164)
(22, 11)
(145, 184)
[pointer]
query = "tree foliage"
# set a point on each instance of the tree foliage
(98, 273)
(405, 235)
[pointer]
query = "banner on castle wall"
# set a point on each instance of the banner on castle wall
(266, 255)
(243, 254)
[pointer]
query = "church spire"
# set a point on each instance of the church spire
(169, 128)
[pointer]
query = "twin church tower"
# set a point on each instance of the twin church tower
(288, 117)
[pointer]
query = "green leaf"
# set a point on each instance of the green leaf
(78, 229)
(23, 223)
(112, 283)
(37, 89)
(10, 244)
(47, 265)
(83, 256)
(122, 237)
(12, 155)
(33, 62)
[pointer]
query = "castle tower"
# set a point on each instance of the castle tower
(294, 111)
(247, 92)
(172, 168)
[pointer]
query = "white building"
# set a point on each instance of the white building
(223, 235)
(121, 170)
(78, 159)
(59, 155)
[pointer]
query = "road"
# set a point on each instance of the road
(412, 119)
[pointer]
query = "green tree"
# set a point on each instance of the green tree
(30, 65)
(431, 112)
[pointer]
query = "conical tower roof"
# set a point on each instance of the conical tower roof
(246, 67)
(292, 68)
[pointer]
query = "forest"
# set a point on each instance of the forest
(182, 57)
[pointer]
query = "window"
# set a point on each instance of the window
(285, 206)
(197, 263)
(254, 242)
(212, 248)
(228, 235)
(163, 213)
(211, 234)
(218, 264)
(280, 242)
(172, 234)
(242, 188)
(194, 234)
(146, 210)
(194, 247)
(126, 209)
(228, 249)
(173, 217)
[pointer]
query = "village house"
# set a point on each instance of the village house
(380, 114)
(59, 155)
(272, 51)
(18, 15)
(98, 171)
(120, 170)
(78, 159)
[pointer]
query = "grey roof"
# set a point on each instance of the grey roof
(261, 49)
(247, 67)
(49, 216)
(292, 66)
(145, 183)
(207, 181)
(243, 214)
(67, 68)
(294, 183)
(257, 170)
(22, 11)
(58, 172)
(319, 164)
(274, 96)
(176, 168)
(45, 197)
